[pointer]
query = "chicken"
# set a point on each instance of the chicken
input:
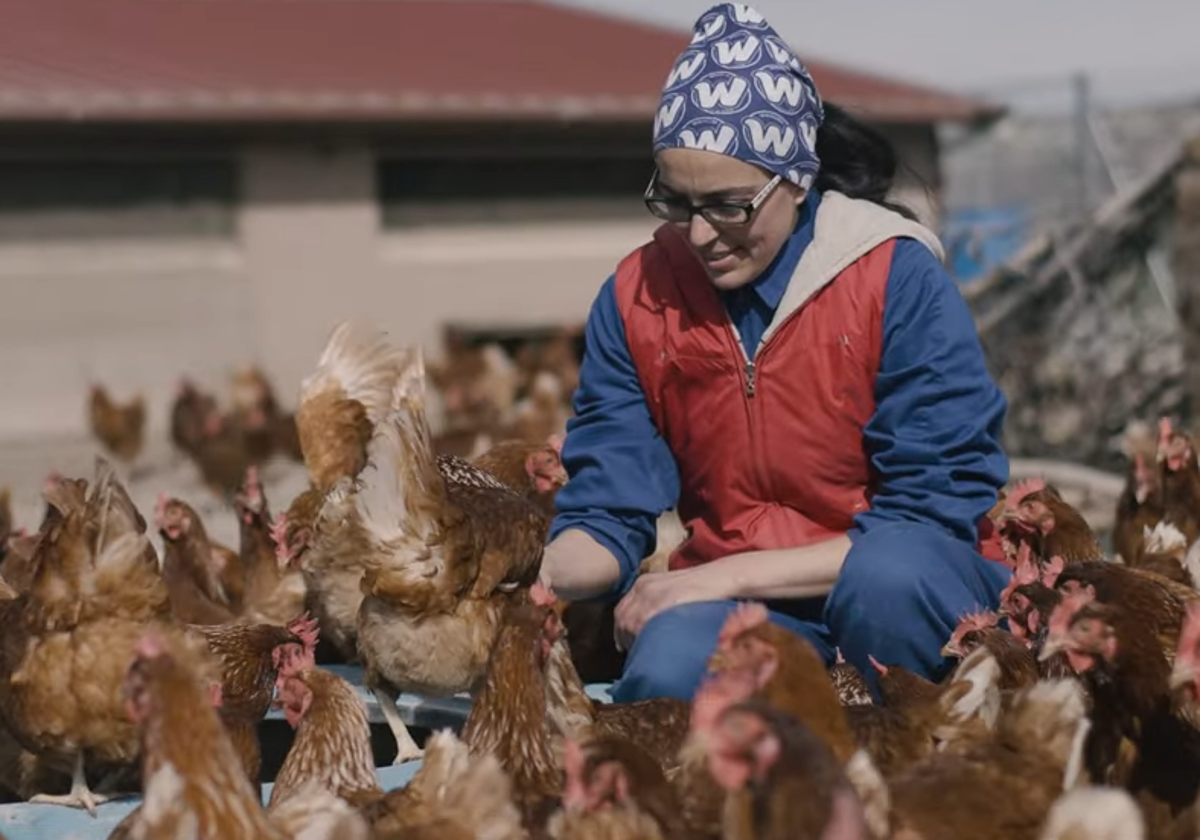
(900, 687)
(120, 428)
(69, 637)
(1037, 514)
(1018, 666)
(508, 719)
(614, 789)
(248, 656)
(1002, 789)
(657, 725)
(848, 681)
(1179, 480)
(1165, 552)
(478, 385)
(197, 573)
(332, 746)
(453, 796)
(341, 404)
(255, 412)
(273, 592)
(1160, 604)
(1128, 677)
(781, 780)
(189, 413)
(544, 411)
(793, 676)
(443, 547)
(924, 717)
(786, 672)
(222, 455)
(1139, 507)
(534, 470)
(193, 785)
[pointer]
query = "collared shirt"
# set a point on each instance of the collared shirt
(751, 307)
(939, 468)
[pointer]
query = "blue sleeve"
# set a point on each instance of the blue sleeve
(622, 473)
(934, 439)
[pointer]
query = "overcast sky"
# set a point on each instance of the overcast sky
(1144, 50)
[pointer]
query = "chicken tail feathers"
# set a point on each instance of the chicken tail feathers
(401, 487)
(344, 400)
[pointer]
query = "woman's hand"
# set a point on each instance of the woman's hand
(653, 593)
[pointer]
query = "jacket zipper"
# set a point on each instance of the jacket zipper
(751, 386)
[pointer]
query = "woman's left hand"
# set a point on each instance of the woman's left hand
(658, 591)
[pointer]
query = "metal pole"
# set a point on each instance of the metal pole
(1082, 95)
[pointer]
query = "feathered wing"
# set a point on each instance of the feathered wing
(440, 520)
(401, 491)
(344, 399)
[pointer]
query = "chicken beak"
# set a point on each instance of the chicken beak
(1182, 674)
(950, 651)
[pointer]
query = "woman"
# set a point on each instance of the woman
(790, 366)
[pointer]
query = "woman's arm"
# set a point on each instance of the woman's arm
(622, 473)
(934, 439)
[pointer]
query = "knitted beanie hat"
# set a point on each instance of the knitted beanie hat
(739, 90)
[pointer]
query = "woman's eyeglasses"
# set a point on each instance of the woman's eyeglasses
(723, 213)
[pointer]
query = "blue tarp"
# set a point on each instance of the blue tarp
(979, 239)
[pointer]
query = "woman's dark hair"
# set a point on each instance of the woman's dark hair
(856, 160)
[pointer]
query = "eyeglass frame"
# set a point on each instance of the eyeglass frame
(748, 208)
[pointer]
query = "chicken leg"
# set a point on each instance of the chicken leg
(81, 796)
(406, 748)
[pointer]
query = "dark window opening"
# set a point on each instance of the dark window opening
(72, 199)
(438, 191)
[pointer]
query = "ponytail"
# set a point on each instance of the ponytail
(856, 160)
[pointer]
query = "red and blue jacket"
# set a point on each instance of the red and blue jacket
(844, 389)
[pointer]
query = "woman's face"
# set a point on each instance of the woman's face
(732, 255)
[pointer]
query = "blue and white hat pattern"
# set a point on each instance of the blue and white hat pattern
(739, 90)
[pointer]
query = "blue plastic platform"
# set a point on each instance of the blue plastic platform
(25, 821)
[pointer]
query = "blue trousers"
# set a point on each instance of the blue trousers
(897, 598)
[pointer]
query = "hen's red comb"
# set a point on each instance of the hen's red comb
(542, 595)
(981, 619)
(1027, 570)
(160, 507)
(1165, 430)
(1060, 618)
(307, 629)
(1189, 634)
(745, 616)
(575, 792)
(1051, 570)
(149, 646)
(1023, 489)
(718, 693)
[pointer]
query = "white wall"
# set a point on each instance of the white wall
(309, 252)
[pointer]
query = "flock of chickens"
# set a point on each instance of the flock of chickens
(1073, 711)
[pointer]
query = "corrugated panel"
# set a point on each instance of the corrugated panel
(365, 59)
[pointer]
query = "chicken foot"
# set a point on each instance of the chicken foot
(406, 748)
(81, 796)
